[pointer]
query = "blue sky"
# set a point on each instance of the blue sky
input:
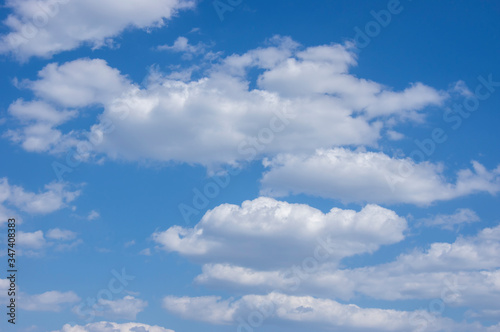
(179, 165)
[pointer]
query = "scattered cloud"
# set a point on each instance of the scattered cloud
(35, 243)
(58, 234)
(451, 221)
(55, 197)
(181, 45)
(93, 215)
(125, 308)
(394, 135)
(48, 301)
(39, 120)
(129, 243)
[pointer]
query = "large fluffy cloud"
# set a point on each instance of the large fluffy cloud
(43, 28)
(356, 176)
(225, 116)
(259, 232)
(464, 274)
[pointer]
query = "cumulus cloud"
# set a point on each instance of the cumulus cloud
(113, 327)
(48, 301)
(323, 313)
(302, 99)
(55, 197)
(357, 176)
(44, 28)
(464, 273)
(259, 232)
(78, 83)
(39, 119)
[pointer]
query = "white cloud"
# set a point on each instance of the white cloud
(304, 99)
(35, 243)
(55, 197)
(48, 301)
(356, 176)
(449, 221)
(44, 28)
(126, 308)
(394, 135)
(39, 120)
(465, 273)
(181, 45)
(323, 70)
(129, 243)
(93, 215)
(58, 234)
(34, 240)
(79, 83)
(36, 137)
(68, 246)
(208, 308)
(476, 252)
(260, 232)
(39, 111)
(322, 313)
(113, 327)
